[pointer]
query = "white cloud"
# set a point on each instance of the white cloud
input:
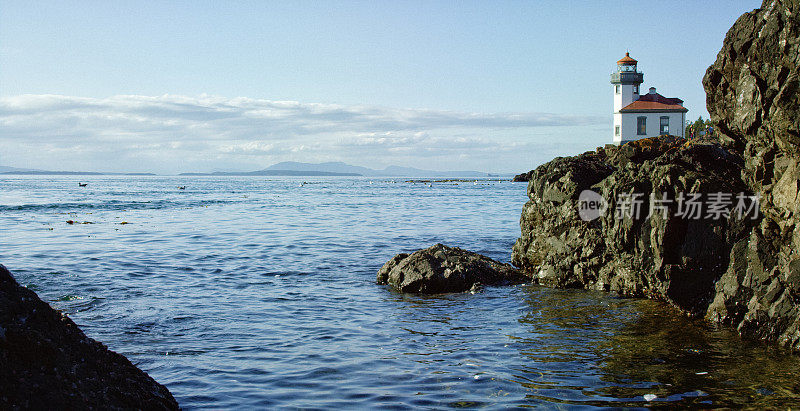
(148, 133)
(250, 148)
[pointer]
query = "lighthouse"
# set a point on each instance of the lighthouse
(638, 116)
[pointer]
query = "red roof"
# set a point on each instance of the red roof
(655, 102)
(626, 60)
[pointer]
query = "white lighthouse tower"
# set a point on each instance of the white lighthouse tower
(639, 116)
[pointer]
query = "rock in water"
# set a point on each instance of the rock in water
(744, 272)
(524, 177)
(753, 94)
(46, 362)
(443, 269)
(663, 256)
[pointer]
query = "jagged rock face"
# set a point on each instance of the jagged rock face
(739, 271)
(443, 269)
(46, 362)
(753, 95)
(664, 256)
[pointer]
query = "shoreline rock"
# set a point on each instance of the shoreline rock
(663, 256)
(443, 269)
(522, 178)
(753, 94)
(47, 362)
(741, 272)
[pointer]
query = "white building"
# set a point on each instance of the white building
(639, 116)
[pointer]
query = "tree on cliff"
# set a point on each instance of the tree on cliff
(699, 127)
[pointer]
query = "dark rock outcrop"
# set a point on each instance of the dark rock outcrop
(46, 362)
(739, 270)
(443, 269)
(524, 177)
(664, 256)
(753, 94)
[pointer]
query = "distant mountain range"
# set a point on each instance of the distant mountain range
(294, 168)
(4, 169)
(271, 173)
(391, 171)
(27, 171)
(287, 168)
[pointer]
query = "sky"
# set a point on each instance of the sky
(494, 86)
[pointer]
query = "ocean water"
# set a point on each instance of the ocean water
(243, 292)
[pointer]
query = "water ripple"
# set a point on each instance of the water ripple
(258, 293)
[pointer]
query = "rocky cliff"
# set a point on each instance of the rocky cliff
(753, 95)
(647, 249)
(46, 362)
(723, 259)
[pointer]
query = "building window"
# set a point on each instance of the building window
(641, 126)
(617, 89)
(664, 125)
(635, 89)
(616, 130)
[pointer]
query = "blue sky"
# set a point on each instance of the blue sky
(195, 86)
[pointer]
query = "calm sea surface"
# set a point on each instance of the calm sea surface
(260, 292)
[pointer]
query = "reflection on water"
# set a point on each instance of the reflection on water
(259, 293)
(644, 351)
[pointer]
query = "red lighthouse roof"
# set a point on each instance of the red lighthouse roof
(627, 60)
(654, 102)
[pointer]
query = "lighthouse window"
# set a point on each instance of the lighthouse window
(617, 89)
(635, 89)
(616, 130)
(664, 125)
(641, 126)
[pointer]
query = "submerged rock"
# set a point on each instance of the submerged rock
(741, 271)
(46, 362)
(443, 269)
